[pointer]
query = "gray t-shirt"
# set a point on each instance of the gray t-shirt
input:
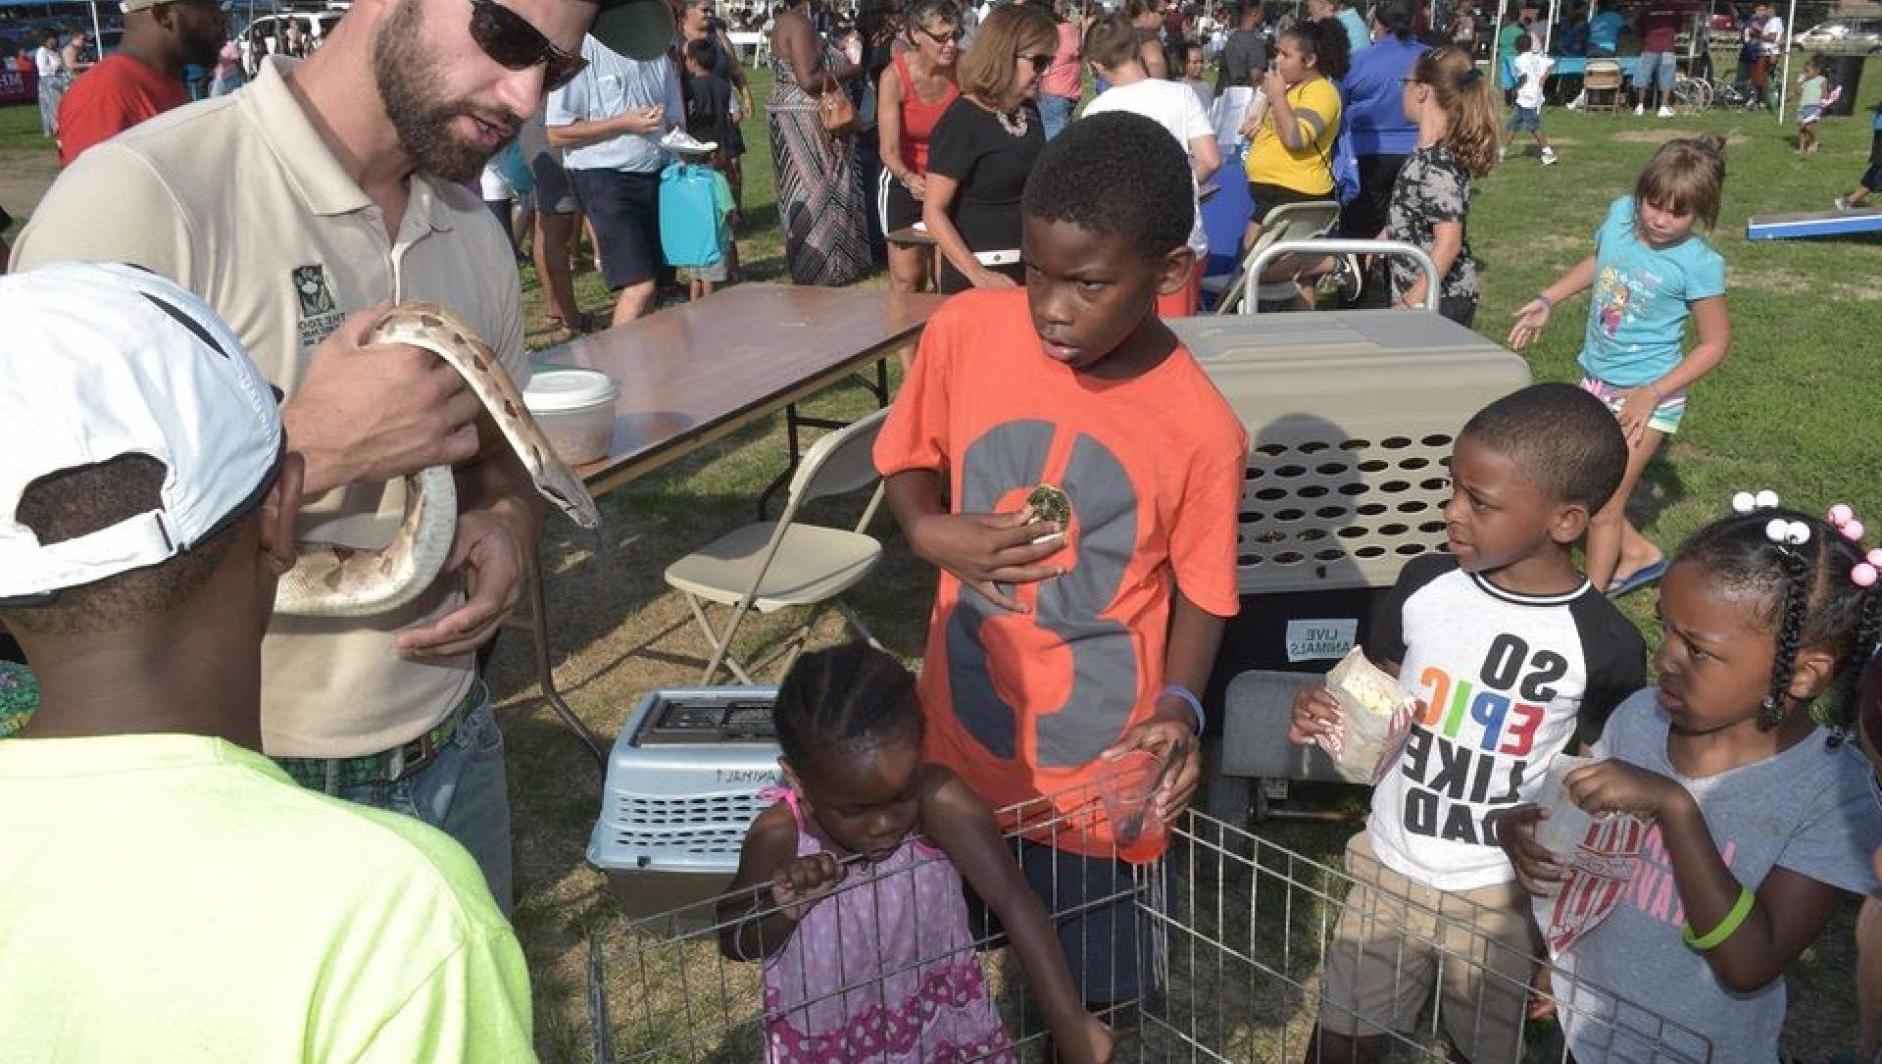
(1809, 809)
(1245, 52)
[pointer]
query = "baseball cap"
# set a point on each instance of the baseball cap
(101, 360)
(637, 29)
(128, 6)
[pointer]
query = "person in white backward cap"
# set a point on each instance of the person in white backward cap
(167, 892)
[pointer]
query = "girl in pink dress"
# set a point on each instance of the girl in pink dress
(849, 888)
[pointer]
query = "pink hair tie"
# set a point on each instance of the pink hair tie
(1865, 572)
(1843, 517)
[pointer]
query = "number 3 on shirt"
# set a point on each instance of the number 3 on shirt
(1105, 670)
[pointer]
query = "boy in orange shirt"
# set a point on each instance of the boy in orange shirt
(1056, 647)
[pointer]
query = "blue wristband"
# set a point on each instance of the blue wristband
(1189, 699)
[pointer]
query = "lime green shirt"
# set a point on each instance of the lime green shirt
(178, 898)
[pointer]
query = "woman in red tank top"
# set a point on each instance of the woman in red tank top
(915, 89)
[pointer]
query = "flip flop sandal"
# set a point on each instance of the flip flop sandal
(1639, 578)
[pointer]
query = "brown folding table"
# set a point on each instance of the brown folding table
(695, 373)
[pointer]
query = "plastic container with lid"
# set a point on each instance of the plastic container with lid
(575, 408)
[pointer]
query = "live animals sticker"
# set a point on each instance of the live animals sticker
(1316, 640)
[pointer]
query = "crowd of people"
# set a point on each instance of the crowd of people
(318, 806)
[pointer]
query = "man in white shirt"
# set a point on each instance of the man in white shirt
(608, 121)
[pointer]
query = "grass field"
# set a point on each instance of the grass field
(1789, 409)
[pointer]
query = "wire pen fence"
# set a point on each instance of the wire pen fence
(1235, 931)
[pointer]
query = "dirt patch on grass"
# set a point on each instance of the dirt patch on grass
(24, 180)
(1661, 136)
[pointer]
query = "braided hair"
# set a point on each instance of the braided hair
(1810, 602)
(849, 698)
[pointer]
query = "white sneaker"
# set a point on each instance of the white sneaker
(1502, 154)
(1580, 98)
(680, 142)
(1842, 203)
(1664, 112)
(1548, 157)
(1640, 109)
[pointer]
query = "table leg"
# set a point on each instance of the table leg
(794, 424)
(545, 671)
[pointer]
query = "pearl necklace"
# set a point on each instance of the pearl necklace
(1015, 123)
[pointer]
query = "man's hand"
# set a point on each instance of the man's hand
(649, 119)
(372, 414)
(1168, 733)
(985, 549)
(489, 549)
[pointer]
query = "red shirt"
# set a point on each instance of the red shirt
(1660, 26)
(110, 98)
(918, 118)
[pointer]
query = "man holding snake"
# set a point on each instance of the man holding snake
(297, 208)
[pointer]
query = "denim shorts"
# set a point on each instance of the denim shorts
(1656, 68)
(1525, 119)
(1098, 906)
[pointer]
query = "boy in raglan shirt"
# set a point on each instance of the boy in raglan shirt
(1515, 658)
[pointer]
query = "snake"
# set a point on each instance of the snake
(334, 580)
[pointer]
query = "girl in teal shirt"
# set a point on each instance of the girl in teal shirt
(1650, 272)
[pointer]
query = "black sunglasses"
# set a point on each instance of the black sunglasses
(508, 38)
(1039, 62)
(952, 36)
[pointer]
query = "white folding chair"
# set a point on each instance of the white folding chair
(773, 565)
(1290, 221)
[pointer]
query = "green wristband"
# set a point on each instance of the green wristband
(1716, 937)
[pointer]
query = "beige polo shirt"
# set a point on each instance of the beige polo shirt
(238, 199)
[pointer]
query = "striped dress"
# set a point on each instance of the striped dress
(821, 204)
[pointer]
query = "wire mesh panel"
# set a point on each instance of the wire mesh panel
(1237, 929)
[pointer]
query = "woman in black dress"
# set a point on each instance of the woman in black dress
(984, 147)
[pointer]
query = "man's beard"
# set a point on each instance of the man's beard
(405, 74)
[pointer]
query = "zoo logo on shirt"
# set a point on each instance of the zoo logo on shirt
(319, 312)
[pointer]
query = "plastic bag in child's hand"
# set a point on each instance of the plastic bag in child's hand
(1375, 719)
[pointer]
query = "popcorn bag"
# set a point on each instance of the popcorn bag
(1375, 717)
(1597, 856)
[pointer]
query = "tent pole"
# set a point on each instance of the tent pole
(1784, 80)
(97, 31)
(1496, 30)
(1548, 31)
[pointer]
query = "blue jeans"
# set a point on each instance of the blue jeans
(462, 792)
(1055, 112)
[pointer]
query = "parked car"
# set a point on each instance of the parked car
(263, 36)
(1842, 37)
